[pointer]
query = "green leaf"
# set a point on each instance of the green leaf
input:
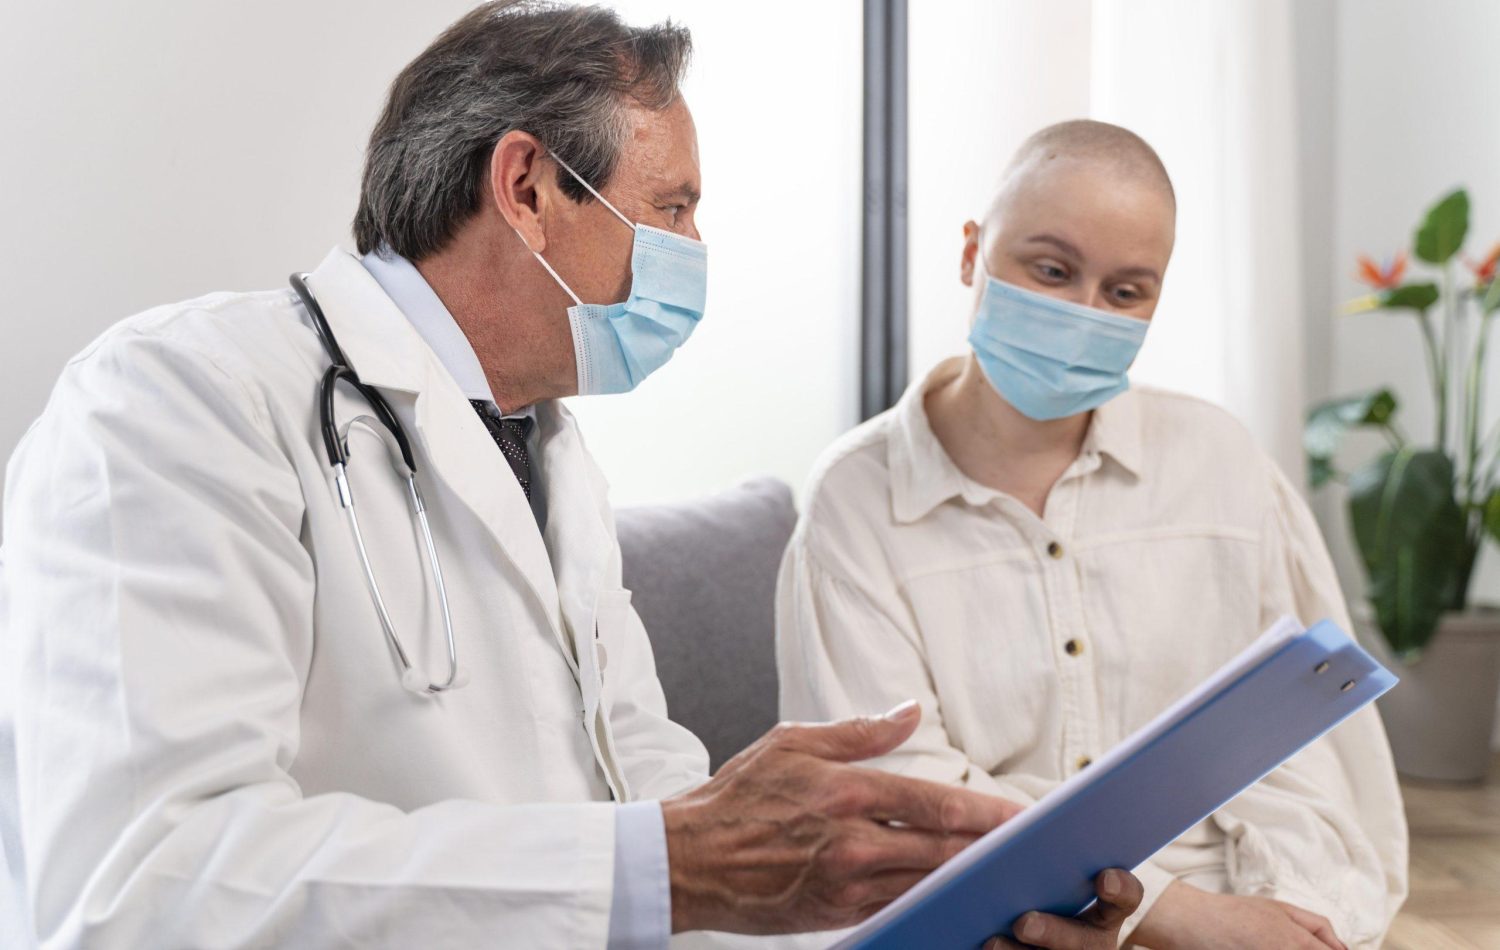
(1320, 471)
(1409, 297)
(1410, 532)
(1328, 421)
(1492, 514)
(1442, 232)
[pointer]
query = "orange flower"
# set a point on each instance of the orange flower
(1382, 277)
(1484, 268)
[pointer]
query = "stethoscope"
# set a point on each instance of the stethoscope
(336, 444)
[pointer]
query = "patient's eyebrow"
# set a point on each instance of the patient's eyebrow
(1056, 242)
(1138, 272)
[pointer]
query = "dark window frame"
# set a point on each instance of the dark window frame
(884, 285)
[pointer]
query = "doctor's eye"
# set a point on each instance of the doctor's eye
(1127, 296)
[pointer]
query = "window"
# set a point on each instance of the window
(769, 378)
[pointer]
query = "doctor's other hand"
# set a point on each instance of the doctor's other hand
(1097, 928)
(1189, 918)
(790, 837)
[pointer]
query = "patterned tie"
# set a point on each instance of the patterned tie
(510, 435)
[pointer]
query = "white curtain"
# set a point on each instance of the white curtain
(982, 75)
(1211, 86)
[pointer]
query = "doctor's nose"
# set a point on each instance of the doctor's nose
(687, 224)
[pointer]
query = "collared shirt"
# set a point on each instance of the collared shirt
(1034, 644)
(420, 304)
(641, 909)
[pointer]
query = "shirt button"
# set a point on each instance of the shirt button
(1084, 762)
(1055, 550)
(1074, 647)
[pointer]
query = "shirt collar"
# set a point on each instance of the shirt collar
(420, 304)
(923, 475)
(1116, 432)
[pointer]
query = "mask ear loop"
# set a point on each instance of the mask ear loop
(602, 200)
(543, 261)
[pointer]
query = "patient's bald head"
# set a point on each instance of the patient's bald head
(1108, 148)
(1085, 212)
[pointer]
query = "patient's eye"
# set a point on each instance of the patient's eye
(1127, 295)
(1049, 272)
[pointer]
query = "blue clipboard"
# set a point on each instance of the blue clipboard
(1283, 692)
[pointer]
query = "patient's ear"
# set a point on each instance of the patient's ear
(971, 251)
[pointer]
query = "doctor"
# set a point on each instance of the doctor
(256, 693)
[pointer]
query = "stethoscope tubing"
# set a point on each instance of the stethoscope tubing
(336, 446)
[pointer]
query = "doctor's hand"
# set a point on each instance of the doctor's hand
(1097, 928)
(1189, 918)
(789, 837)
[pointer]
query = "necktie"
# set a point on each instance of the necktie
(510, 436)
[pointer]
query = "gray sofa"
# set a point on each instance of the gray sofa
(703, 575)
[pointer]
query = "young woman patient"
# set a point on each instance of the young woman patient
(1045, 559)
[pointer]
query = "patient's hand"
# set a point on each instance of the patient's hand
(1097, 928)
(1189, 918)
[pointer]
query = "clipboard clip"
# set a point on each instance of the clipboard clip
(1322, 668)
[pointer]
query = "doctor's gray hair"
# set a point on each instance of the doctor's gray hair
(561, 73)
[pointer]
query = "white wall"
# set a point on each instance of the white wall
(157, 150)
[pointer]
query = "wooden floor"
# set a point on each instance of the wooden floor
(1455, 868)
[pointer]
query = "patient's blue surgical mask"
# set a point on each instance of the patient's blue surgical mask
(1050, 358)
(619, 344)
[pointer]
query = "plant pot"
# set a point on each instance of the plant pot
(1441, 716)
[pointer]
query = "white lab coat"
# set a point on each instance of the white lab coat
(212, 746)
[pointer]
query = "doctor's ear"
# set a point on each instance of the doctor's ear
(517, 168)
(970, 253)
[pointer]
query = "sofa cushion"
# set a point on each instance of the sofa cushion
(703, 573)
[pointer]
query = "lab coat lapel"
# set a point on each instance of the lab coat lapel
(389, 354)
(577, 509)
(464, 455)
(588, 579)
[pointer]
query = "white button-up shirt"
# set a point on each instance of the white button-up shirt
(1036, 643)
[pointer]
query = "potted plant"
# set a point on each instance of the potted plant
(1421, 511)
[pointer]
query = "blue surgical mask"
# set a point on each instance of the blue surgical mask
(1050, 358)
(619, 344)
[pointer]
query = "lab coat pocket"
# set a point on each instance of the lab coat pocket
(611, 617)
